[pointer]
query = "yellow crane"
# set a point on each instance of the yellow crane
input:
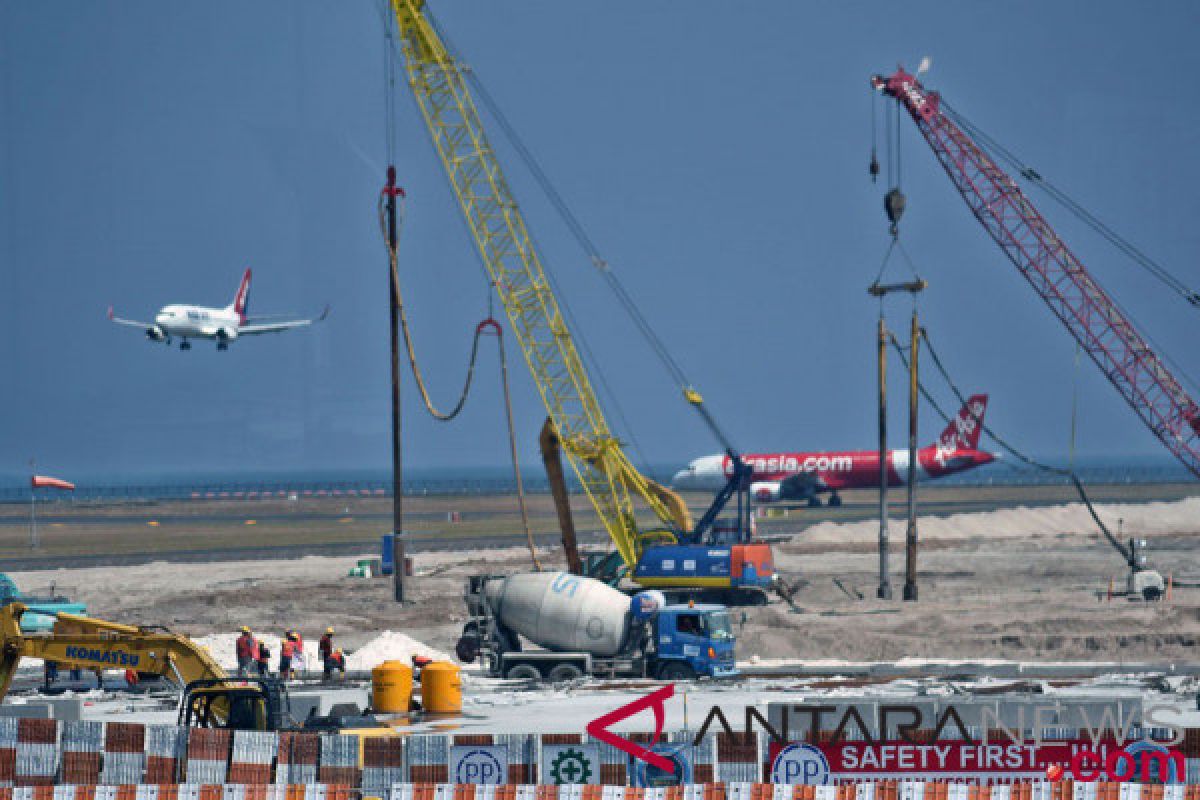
(611, 482)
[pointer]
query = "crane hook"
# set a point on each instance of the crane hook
(894, 203)
(874, 168)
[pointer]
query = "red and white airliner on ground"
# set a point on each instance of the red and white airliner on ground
(801, 477)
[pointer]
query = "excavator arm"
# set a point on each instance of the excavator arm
(88, 643)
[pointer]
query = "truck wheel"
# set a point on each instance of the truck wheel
(677, 671)
(524, 672)
(467, 649)
(564, 673)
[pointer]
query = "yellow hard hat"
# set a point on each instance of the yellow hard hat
(329, 631)
(245, 629)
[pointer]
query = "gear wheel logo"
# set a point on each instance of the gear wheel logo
(570, 766)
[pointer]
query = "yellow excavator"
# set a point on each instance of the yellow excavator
(210, 697)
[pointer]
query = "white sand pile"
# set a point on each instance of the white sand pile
(223, 648)
(391, 646)
(1141, 519)
(388, 646)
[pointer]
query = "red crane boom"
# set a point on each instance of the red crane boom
(1055, 273)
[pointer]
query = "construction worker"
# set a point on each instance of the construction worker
(247, 649)
(286, 649)
(325, 651)
(336, 661)
(263, 659)
(49, 672)
(298, 651)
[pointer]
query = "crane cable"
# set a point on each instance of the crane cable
(588, 245)
(488, 325)
(1037, 465)
(442, 416)
(1034, 177)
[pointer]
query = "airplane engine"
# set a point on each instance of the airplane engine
(766, 491)
(802, 486)
(155, 333)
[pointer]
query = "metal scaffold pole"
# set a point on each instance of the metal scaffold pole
(885, 461)
(885, 586)
(390, 193)
(910, 538)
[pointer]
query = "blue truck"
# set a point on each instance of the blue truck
(583, 627)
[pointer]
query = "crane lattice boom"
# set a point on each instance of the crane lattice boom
(1074, 296)
(498, 228)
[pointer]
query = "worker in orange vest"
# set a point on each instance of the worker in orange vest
(247, 651)
(286, 648)
(336, 661)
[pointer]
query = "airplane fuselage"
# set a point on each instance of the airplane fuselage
(830, 471)
(196, 322)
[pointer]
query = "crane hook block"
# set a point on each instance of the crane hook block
(894, 203)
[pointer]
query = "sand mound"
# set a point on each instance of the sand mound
(391, 646)
(1142, 519)
(388, 646)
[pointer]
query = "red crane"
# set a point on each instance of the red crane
(1054, 272)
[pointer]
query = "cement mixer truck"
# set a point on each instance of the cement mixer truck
(580, 626)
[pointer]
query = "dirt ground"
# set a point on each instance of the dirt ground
(1016, 584)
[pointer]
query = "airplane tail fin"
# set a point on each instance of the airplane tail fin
(964, 430)
(241, 300)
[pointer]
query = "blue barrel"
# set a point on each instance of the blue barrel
(387, 554)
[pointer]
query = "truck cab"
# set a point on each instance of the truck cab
(694, 640)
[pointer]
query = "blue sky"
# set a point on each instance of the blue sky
(717, 152)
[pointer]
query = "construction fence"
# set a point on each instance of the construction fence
(885, 790)
(47, 752)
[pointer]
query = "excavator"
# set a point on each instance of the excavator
(716, 562)
(211, 699)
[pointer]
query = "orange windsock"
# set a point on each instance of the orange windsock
(46, 482)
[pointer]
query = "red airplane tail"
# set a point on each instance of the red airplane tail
(241, 300)
(964, 430)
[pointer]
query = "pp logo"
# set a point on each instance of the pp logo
(800, 763)
(481, 766)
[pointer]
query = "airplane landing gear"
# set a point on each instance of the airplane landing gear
(835, 500)
(222, 345)
(185, 345)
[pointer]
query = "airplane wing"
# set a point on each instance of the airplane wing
(283, 325)
(133, 323)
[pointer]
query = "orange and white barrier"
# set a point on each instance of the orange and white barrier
(865, 790)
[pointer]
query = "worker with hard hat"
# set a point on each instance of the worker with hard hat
(298, 650)
(264, 659)
(287, 646)
(247, 651)
(337, 661)
(325, 651)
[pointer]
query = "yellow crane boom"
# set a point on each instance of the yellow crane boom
(508, 253)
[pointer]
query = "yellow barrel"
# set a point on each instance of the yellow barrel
(391, 687)
(441, 688)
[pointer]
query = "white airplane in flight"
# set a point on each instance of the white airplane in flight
(223, 324)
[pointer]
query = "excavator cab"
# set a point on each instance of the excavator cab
(249, 705)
